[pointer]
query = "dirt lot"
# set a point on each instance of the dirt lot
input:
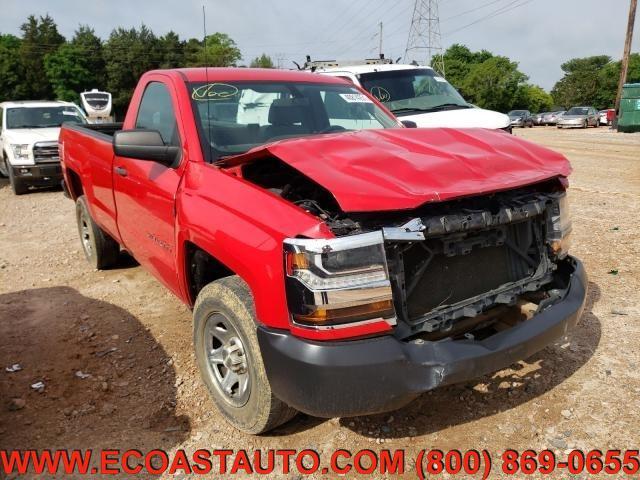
(133, 339)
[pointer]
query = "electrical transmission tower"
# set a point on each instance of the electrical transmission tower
(425, 40)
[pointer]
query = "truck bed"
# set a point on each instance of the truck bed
(100, 130)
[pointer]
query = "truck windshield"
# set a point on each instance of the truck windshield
(411, 91)
(233, 118)
(43, 117)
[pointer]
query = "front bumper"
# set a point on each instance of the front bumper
(571, 124)
(363, 377)
(42, 174)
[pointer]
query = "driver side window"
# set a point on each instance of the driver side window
(156, 113)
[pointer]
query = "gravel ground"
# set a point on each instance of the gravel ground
(113, 348)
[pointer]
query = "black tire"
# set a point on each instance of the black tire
(225, 307)
(100, 250)
(17, 185)
(585, 124)
(4, 171)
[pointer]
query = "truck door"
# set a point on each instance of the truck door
(145, 191)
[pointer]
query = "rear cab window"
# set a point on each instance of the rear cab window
(156, 113)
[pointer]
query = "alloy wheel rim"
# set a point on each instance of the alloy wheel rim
(227, 360)
(85, 234)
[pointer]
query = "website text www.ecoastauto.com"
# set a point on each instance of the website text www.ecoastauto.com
(422, 464)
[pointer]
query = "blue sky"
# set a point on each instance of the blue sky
(539, 34)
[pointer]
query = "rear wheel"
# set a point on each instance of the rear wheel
(229, 358)
(99, 248)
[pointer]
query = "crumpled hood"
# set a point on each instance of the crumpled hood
(396, 169)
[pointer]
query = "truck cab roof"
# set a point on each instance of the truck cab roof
(245, 74)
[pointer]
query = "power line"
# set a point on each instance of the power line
(349, 45)
(344, 15)
(471, 11)
(491, 15)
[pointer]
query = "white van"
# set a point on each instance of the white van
(414, 93)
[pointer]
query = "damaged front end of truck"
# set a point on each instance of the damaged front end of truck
(441, 284)
(461, 269)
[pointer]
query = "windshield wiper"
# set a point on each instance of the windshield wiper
(449, 106)
(444, 106)
(35, 126)
(409, 110)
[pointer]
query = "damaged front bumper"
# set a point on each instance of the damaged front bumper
(375, 375)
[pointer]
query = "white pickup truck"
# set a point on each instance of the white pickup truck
(414, 93)
(29, 141)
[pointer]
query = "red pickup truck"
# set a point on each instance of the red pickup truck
(337, 262)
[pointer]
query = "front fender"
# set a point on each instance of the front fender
(243, 227)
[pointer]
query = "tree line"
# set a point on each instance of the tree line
(43, 64)
(494, 82)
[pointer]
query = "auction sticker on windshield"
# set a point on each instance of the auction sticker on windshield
(355, 98)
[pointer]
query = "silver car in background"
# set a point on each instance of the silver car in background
(520, 118)
(551, 118)
(580, 117)
(538, 118)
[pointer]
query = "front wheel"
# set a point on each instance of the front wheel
(17, 185)
(100, 250)
(229, 358)
(4, 167)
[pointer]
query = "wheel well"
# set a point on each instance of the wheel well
(202, 269)
(75, 187)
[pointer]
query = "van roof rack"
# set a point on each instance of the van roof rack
(315, 64)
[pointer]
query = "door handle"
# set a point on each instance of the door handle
(121, 171)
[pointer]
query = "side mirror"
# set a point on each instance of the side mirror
(144, 144)
(409, 123)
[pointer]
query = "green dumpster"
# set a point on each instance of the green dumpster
(629, 119)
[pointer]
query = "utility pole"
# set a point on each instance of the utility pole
(380, 52)
(627, 52)
(424, 35)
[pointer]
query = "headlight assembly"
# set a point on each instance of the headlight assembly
(559, 226)
(338, 282)
(20, 151)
